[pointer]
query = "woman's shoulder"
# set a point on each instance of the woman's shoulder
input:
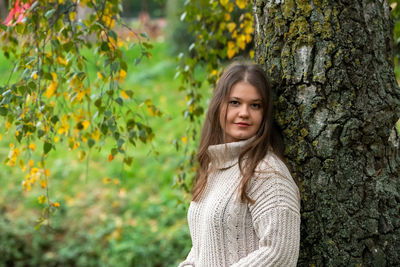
(272, 172)
(271, 163)
(272, 180)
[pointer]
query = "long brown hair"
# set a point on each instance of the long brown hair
(267, 136)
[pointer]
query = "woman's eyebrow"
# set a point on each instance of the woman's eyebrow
(252, 100)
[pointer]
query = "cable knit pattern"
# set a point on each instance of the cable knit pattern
(228, 232)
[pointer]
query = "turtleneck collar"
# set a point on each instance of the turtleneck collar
(226, 155)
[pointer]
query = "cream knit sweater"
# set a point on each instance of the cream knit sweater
(228, 232)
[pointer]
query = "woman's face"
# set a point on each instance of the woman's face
(242, 115)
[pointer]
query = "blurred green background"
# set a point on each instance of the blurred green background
(112, 214)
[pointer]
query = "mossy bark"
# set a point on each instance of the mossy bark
(337, 101)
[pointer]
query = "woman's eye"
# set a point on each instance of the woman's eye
(233, 102)
(256, 106)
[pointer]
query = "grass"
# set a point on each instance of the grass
(110, 214)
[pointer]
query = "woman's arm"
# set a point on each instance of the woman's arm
(276, 221)
(189, 261)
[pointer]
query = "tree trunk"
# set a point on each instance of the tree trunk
(337, 100)
(3, 10)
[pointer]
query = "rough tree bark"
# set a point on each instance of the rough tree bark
(3, 10)
(337, 100)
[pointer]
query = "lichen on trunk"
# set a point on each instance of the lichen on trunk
(337, 101)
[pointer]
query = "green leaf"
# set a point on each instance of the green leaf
(104, 128)
(119, 101)
(49, 13)
(97, 103)
(68, 46)
(3, 111)
(147, 45)
(40, 133)
(120, 142)
(115, 67)
(128, 160)
(47, 76)
(47, 147)
(104, 47)
(144, 34)
(91, 142)
(112, 34)
(32, 85)
(54, 119)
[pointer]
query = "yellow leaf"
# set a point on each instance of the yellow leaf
(231, 26)
(26, 185)
(62, 61)
(12, 155)
(151, 112)
(106, 180)
(56, 204)
(30, 163)
(85, 124)
(124, 95)
(241, 3)
(43, 184)
(54, 75)
(112, 41)
(100, 75)
(41, 199)
(32, 146)
(96, 135)
(249, 29)
(72, 16)
(227, 16)
(47, 172)
(224, 2)
(65, 94)
(122, 75)
(51, 89)
(231, 49)
(1, 137)
(34, 171)
(116, 181)
(230, 7)
(22, 165)
(56, 139)
(222, 26)
(241, 41)
(81, 155)
(34, 76)
(184, 139)
(251, 53)
(248, 38)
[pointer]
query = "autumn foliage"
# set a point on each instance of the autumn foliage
(49, 99)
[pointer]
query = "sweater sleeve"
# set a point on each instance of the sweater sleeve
(189, 261)
(276, 221)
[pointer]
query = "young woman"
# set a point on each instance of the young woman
(245, 209)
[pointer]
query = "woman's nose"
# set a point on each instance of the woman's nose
(243, 112)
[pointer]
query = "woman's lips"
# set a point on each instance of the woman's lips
(242, 124)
